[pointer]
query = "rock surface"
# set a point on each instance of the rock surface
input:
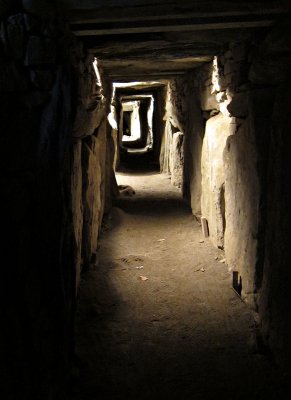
(213, 176)
(177, 159)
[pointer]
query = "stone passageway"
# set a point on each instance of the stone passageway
(157, 317)
(108, 295)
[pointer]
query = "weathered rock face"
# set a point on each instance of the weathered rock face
(166, 148)
(249, 167)
(213, 176)
(177, 157)
(92, 108)
(94, 159)
(193, 148)
(242, 193)
(172, 148)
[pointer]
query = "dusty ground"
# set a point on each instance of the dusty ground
(157, 317)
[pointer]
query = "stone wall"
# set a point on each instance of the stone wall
(246, 155)
(90, 137)
(53, 117)
(172, 144)
(213, 176)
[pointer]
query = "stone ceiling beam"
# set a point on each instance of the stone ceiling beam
(166, 75)
(138, 39)
(83, 11)
(192, 27)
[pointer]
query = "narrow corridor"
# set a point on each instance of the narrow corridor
(157, 317)
(108, 294)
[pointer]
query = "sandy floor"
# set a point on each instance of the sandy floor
(157, 317)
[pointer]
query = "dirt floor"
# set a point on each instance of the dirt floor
(157, 316)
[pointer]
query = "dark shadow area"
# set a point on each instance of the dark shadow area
(138, 163)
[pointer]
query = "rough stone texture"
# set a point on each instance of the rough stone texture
(177, 158)
(242, 201)
(246, 163)
(176, 106)
(91, 106)
(91, 198)
(192, 150)
(166, 148)
(208, 81)
(102, 140)
(172, 147)
(93, 164)
(213, 176)
(111, 187)
(195, 171)
(208, 101)
(88, 120)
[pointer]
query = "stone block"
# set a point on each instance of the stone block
(177, 161)
(87, 121)
(208, 100)
(40, 51)
(86, 86)
(204, 226)
(213, 176)
(93, 164)
(241, 199)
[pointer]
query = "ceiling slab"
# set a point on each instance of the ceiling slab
(138, 37)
